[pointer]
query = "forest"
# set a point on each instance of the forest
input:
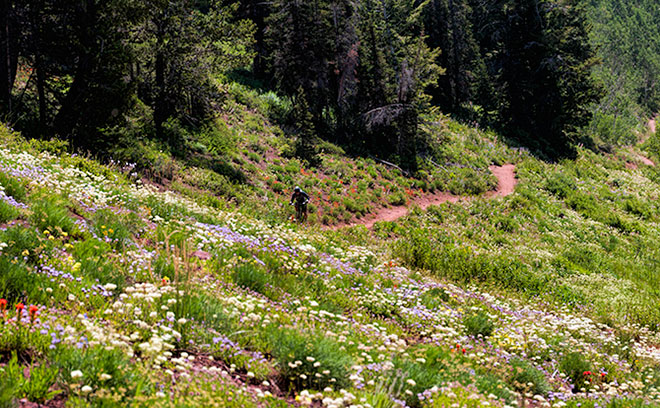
(547, 74)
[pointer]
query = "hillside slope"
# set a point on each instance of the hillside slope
(246, 161)
(118, 293)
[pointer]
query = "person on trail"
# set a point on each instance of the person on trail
(300, 199)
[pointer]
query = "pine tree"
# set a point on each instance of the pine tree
(305, 148)
(447, 24)
(545, 80)
(299, 43)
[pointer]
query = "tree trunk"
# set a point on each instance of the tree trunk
(67, 117)
(41, 79)
(160, 114)
(8, 55)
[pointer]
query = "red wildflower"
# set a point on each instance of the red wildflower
(463, 350)
(32, 310)
(587, 373)
(3, 305)
(19, 309)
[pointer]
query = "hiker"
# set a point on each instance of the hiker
(300, 198)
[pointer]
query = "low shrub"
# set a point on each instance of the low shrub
(7, 212)
(18, 283)
(51, 213)
(433, 298)
(35, 388)
(118, 229)
(526, 378)
(13, 187)
(301, 356)
(95, 361)
(478, 324)
(397, 198)
(250, 276)
(560, 185)
(574, 365)
(23, 243)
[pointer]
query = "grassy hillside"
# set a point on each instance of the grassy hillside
(122, 292)
(246, 160)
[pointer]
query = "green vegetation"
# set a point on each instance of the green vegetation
(169, 273)
(627, 39)
(114, 291)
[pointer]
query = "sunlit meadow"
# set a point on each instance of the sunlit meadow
(115, 293)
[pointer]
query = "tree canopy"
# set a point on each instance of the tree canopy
(358, 72)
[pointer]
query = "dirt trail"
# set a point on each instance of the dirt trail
(644, 137)
(506, 181)
(651, 124)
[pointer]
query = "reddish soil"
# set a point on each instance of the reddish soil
(506, 178)
(643, 138)
(646, 160)
(651, 125)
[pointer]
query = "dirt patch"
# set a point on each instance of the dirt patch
(651, 124)
(59, 401)
(646, 160)
(506, 181)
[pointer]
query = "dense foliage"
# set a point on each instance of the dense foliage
(361, 73)
(627, 37)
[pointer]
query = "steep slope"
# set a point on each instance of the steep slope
(117, 292)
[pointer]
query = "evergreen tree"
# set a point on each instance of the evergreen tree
(447, 24)
(180, 47)
(545, 81)
(298, 39)
(305, 146)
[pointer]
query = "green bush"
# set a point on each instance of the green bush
(35, 388)
(478, 324)
(7, 212)
(17, 283)
(118, 228)
(296, 354)
(523, 374)
(574, 365)
(397, 198)
(506, 223)
(51, 213)
(23, 243)
(433, 298)
(250, 276)
(425, 375)
(643, 209)
(432, 251)
(21, 339)
(93, 362)
(13, 187)
(560, 185)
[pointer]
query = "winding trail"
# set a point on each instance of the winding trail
(651, 124)
(644, 137)
(506, 181)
